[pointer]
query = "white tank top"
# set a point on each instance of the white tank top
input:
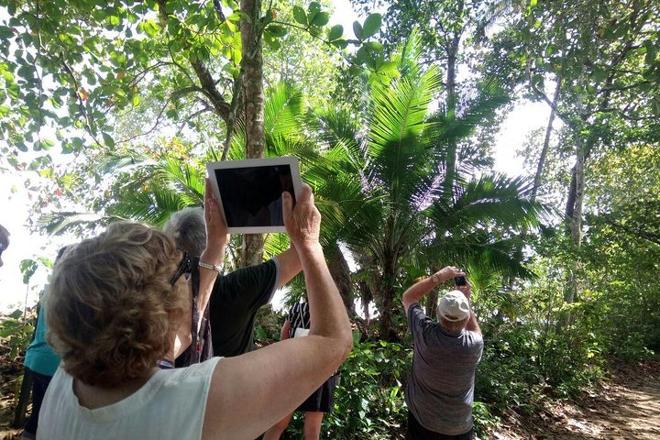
(171, 405)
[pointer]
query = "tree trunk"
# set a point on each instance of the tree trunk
(576, 218)
(573, 214)
(546, 142)
(253, 107)
(386, 294)
(431, 303)
(452, 99)
(366, 296)
(341, 274)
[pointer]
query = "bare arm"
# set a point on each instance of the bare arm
(214, 253)
(472, 324)
(289, 265)
(250, 393)
(418, 290)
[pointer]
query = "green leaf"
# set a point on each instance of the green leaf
(272, 42)
(357, 30)
(335, 32)
(321, 19)
(361, 55)
(46, 144)
(340, 43)
(371, 25)
(28, 267)
(276, 30)
(299, 15)
(314, 8)
(107, 139)
(5, 32)
(150, 28)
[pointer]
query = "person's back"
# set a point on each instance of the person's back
(441, 386)
(228, 325)
(182, 389)
(440, 389)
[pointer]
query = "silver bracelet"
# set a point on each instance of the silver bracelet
(215, 267)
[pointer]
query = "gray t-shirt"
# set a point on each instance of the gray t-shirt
(440, 387)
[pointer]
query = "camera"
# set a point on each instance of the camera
(460, 281)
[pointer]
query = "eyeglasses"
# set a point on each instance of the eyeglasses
(185, 267)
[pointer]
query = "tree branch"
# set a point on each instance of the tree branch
(152, 129)
(553, 106)
(233, 109)
(633, 231)
(81, 105)
(210, 90)
(621, 88)
(207, 108)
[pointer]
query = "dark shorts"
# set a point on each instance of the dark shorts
(418, 432)
(39, 385)
(323, 398)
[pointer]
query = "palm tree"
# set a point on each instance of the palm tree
(379, 181)
(407, 213)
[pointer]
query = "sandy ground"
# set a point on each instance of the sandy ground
(625, 407)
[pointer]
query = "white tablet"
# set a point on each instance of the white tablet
(250, 192)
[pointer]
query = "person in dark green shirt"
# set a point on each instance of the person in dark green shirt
(228, 327)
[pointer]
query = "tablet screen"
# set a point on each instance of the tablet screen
(252, 196)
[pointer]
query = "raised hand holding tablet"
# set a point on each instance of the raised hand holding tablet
(302, 222)
(249, 192)
(216, 227)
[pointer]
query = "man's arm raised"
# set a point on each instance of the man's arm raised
(418, 290)
(289, 266)
(250, 393)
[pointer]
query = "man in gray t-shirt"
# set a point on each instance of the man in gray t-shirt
(440, 388)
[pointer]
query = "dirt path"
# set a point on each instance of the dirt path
(627, 407)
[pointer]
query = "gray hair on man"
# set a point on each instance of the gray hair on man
(188, 230)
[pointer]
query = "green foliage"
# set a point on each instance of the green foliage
(368, 402)
(15, 334)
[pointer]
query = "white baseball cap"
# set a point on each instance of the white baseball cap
(454, 306)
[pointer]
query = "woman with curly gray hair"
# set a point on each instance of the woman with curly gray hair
(116, 308)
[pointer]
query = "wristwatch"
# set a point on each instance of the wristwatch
(215, 267)
(436, 278)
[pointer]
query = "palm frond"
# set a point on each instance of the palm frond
(283, 110)
(187, 179)
(410, 53)
(454, 128)
(480, 250)
(399, 144)
(153, 205)
(491, 200)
